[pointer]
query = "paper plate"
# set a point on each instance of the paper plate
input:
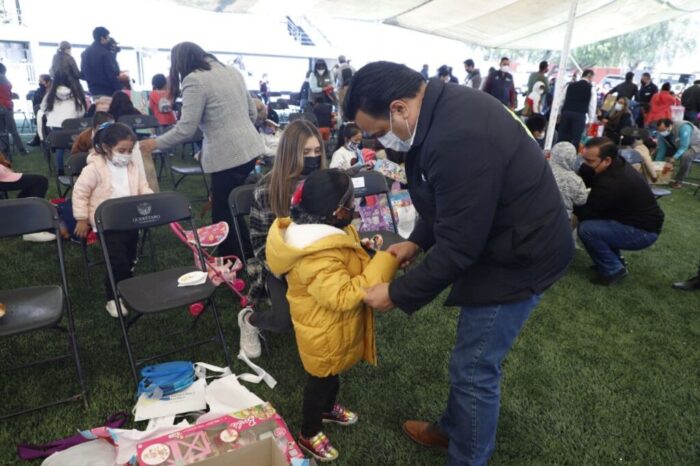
(192, 278)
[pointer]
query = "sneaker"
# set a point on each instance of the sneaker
(39, 237)
(688, 285)
(250, 335)
(319, 447)
(340, 415)
(112, 308)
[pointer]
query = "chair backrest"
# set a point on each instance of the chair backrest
(77, 123)
(62, 138)
(76, 163)
(27, 215)
(241, 199)
(145, 211)
(136, 122)
(369, 183)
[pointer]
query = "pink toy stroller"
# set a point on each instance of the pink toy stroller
(220, 269)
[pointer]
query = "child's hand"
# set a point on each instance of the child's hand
(82, 228)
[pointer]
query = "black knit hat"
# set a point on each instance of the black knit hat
(323, 192)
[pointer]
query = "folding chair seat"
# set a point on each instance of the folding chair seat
(371, 183)
(38, 308)
(158, 291)
(60, 139)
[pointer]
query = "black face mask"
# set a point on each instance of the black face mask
(587, 173)
(311, 164)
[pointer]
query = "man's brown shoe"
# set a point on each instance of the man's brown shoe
(426, 434)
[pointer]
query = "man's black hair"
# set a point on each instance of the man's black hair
(469, 62)
(606, 148)
(536, 123)
(376, 85)
(99, 32)
(544, 65)
(159, 81)
(504, 59)
(444, 70)
(646, 75)
(629, 76)
(587, 73)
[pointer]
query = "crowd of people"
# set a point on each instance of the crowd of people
(497, 209)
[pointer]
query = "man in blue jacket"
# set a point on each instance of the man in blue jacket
(492, 225)
(99, 65)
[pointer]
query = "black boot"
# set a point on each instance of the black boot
(688, 285)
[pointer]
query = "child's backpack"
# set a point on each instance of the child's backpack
(164, 105)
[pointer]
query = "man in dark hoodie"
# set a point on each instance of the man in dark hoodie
(99, 65)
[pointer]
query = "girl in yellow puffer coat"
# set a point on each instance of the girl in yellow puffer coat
(327, 271)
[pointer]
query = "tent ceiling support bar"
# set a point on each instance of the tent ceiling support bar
(561, 75)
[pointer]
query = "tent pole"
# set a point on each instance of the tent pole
(576, 64)
(561, 75)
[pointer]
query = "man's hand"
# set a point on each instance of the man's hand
(405, 252)
(82, 228)
(378, 298)
(147, 146)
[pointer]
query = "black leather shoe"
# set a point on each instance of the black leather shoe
(610, 280)
(622, 259)
(689, 285)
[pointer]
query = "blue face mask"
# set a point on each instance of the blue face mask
(391, 141)
(664, 133)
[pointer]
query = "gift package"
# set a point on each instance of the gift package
(221, 436)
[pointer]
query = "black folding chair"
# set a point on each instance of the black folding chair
(60, 139)
(240, 201)
(37, 308)
(74, 166)
(146, 126)
(155, 292)
(77, 123)
(183, 171)
(371, 183)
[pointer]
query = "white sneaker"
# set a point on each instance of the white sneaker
(112, 308)
(39, 237)
(250, 335)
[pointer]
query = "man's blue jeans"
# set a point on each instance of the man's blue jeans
(484, 336)
(603, 239)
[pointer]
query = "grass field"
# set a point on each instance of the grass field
(599, 376)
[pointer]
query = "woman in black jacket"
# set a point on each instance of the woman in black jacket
(620, 117)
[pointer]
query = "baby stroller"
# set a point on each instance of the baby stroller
(221, 270)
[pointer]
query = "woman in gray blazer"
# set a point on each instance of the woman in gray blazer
(215, 99)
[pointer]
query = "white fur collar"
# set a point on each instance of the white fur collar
(302, 236)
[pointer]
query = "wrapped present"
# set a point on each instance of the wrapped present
(220, 436)
(391, 170)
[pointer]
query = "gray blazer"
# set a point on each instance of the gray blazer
(218, 102)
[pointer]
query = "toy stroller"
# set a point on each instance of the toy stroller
(220, 269)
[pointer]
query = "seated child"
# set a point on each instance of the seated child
(159, 102)
(110, 173)
(327, 271)
(348, 156)
(571, 186)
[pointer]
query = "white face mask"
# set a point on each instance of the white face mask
(120, 160)
(505, 68)
(664, 133)
(618, 107)
(392, 141)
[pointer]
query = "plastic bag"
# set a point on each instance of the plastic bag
(92, 453)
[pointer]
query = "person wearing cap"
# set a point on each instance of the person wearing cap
(99, 65)
(492, 225)
(270, 137)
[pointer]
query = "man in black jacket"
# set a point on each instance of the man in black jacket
(621, 211)
(627, 88)
(647, 89)
(492, 224)
(580, 100)
(99, 65)
(691, 101)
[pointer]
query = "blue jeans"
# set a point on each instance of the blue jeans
(603, 239)
(484, 336)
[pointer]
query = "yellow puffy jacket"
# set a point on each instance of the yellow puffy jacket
(327, 271)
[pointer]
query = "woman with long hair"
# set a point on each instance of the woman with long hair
(65, 100)
(63, 62)
(121, 105)
(215, 100)
(620, 117)
(300, 152)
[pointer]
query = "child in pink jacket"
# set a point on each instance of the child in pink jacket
(110, 173)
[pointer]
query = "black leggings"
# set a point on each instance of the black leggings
(222, 183)
(28, 186)
(319, 397)
(122, 254)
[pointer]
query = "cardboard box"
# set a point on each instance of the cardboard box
(220, 436)
(263, 453)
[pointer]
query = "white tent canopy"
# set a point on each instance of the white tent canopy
(532, 24)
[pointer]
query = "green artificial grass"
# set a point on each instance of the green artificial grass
(598, 375)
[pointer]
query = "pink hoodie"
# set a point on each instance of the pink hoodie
(94, 186)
